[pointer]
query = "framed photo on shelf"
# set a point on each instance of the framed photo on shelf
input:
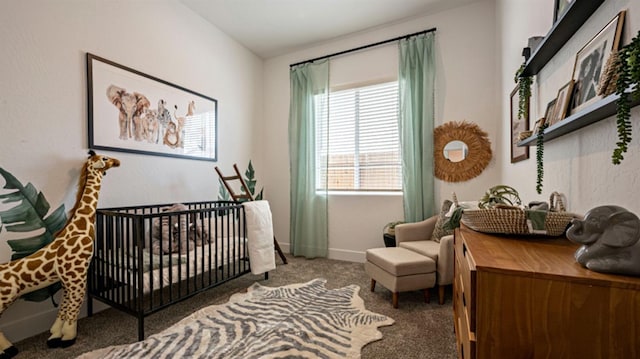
(537, 126)
(559, 8)
(130, 111)
(561, 103)
(518, 125)
(590, 62)
(548, 113)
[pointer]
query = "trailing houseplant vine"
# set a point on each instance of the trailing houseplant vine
(540, 157)
(628, 71)
(524, 92)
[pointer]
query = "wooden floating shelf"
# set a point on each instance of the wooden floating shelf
(564, 28)
(593, 113)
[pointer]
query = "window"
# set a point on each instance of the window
(359, 140)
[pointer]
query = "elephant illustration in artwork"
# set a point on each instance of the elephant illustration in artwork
(131, 107)
(610, 240)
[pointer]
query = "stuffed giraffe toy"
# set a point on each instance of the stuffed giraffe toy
(65, 259)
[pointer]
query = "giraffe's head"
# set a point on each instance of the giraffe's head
(101, 163)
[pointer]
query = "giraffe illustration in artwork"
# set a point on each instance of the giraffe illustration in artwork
(65, 259)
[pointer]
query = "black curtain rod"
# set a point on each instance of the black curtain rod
(364, 47)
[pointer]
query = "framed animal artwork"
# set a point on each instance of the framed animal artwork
(130, 111)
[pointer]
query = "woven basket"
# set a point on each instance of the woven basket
(512, 220)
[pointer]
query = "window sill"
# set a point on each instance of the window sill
(362, 193)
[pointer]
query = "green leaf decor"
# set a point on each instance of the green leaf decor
(27, 216)
(524, 92)
(251, 182)
(627, 66)
(249, 179)
(540, 157)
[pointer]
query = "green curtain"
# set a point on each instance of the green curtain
(308, 231)
(416, 85)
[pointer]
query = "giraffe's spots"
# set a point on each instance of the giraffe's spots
(26, 277)
(40, 276)
(71, 242)
(18, 266)
(6, 291)
(68, 266)
(87, 240)
(86, 210)
(47, 266)
(49, 255)
(34, 264)
(7, 276)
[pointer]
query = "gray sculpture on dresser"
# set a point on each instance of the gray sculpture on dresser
(610, 240)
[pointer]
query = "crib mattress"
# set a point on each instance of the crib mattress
(180, 267)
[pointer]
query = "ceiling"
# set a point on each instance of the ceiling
(274, 27)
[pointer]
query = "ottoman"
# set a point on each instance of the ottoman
(400, 270)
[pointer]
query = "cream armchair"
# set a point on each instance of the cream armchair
(417, 237)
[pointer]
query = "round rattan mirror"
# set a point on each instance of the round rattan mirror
(477, 156)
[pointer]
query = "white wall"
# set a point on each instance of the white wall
(577, 164)
(43, 104)
(467, 88)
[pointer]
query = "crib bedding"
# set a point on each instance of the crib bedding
(162, 270)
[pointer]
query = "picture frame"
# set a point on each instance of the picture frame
(518, 125)
(548, 113)
(562, 103)
(591, 60)
(559, 8)
(130, 111)
(539, 123)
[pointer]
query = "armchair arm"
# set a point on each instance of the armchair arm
(418, 231)
(445, 261)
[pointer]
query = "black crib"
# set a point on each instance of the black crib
(146, 258)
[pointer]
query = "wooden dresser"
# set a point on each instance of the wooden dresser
(527, 297)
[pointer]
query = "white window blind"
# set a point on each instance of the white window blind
(359, 140)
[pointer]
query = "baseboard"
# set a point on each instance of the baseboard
(346, 255)
(338, 254)
(40, 322)
(29, 325)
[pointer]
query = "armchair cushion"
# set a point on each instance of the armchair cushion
(438, 230)
(429, 249)
(441, 253)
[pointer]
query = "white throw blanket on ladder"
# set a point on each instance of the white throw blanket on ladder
(260, 236)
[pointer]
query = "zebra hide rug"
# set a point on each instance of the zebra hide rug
(303, 320)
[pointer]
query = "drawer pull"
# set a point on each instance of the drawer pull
(461, 350)
(464, 301)
(464, 250)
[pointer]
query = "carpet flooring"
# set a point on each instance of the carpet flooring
(420, 331)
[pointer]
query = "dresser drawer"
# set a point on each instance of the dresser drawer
(465, 276)
(465, 340)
